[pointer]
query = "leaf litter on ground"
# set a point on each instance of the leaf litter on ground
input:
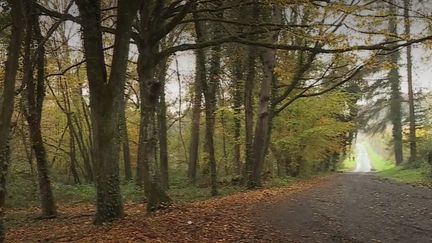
(221, 219)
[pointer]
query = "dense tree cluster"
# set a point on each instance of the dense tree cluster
(275, 90)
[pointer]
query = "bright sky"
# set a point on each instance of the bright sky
(422, 69)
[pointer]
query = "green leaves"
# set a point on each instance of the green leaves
(312, 129)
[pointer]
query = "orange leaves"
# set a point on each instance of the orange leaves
(225, 219)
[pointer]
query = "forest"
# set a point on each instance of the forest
(147, 120)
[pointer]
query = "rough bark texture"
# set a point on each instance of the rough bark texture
(253, 15)
(72, 157)
(163, 141)
(104, 115)
(262, 129)
(210, 90)
(210, 109)
(395, 96)
(163, 129)
(7, 99)
(149, 91)
(262, 124)
(237, 107)
(200, 78)
(35, 94)
(249, 113)
(412, 118)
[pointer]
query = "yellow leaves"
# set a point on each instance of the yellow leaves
(387, 66)
(310, 128)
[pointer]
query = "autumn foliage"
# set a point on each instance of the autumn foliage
(225, 219)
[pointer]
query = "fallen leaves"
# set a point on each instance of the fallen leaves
(224, 219)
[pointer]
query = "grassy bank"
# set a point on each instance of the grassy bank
(348, 164)
(415, 176)
(387, 169)
(23, 191)
(378, 162)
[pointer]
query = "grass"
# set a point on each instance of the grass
(23, 191)
(378, 162)
(348, 164)
(415, 176)
(387, 169)
(281, 181)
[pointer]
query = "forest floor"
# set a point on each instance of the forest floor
(222, 219)
(345, 207)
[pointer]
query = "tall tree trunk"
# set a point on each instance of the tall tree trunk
(237, 106)
(124, 138)
(200, 78)
(163, 141)
(72, 156)
(223, 124)
(249, 113)
(263, 118)
(210, 110)
(7, 99)
(104, 115)
(210, 90)
(412, 118)
(237, 84)
(163, 129)
(253, 15)
(149, 92)
(263, 124)
(395, 96)
(35, 93)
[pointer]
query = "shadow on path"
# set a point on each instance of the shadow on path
(355, 207)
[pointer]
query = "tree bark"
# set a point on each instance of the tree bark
(163, 142)
(412, 118)
(149, 91)
(210, 90)
(35, 94)
(163, 129)
(263, 119)
(237, 136)
(7, 99)
(104, 115)
(124, 138)
(237, 84)
(210, 109)
(249, 113)
(262, 129)
(200, 78)
(72, 156)
(395, 96)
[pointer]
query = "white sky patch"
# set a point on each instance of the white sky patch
(422, 71)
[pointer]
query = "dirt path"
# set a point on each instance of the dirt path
(354, 208)
(336, 208)
(363, 163)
